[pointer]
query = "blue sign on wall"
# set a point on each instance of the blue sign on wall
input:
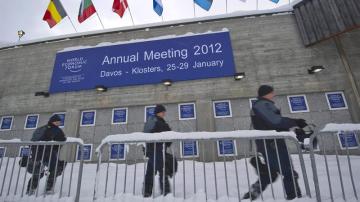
(336, 100)
(119, 116)
(117, 152)
(24, 151)
(347, 139)
(252, 102)
(298, 103)
(88, 118)
(2, 152)
(86, 154)
(187, 111)
(226, 147)
(6, 122)
(222, 109)
(149, 111)
(181, 58)
(62, 118)
(31, 121)
(189, 149)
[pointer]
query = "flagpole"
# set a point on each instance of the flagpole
(194, 9)
(257, 5)
(226, 6)
(72, 24)
(100, 20)
(132, 20)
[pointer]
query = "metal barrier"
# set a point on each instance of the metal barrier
(227, 175)
(31, 168)
(336, 143)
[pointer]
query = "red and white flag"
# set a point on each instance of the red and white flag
(120, 6)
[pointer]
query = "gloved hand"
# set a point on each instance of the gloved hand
(301, 123)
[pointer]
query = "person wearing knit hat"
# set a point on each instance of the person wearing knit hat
(154, 152)
(46, 155)
(266, 116)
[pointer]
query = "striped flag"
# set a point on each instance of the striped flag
(158, 7)
(54, 13)
(204, 4)
(86, 10)
(275, 1)
(120, 6)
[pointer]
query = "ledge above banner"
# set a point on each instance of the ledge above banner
(189, 57)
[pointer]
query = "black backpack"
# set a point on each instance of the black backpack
(171, 165)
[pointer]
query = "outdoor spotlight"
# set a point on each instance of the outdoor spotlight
(101, 88)
(315, 69)
(167, 82)
(21, 33)
(239, 76)
(42, 93)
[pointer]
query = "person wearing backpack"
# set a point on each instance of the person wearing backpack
(154, 152)
(46, 155)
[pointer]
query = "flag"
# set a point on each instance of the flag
(275, 1)
(120, 6)
(86, 10)
(54, 13)
(204, 4)
(158, 7)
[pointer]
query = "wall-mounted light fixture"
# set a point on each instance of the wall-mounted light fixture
(167, 82)
(100, 88)
(239, 76)
(42, 93)
(315, 69)
(20, 33)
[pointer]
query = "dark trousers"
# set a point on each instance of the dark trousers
(272, 161)
(149, 176)
(36, 168)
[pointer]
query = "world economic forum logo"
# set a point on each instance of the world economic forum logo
(74, 65)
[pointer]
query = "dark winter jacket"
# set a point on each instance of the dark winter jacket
(265, 116)
(155, 124)
(50, 133)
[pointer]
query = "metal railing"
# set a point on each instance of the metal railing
(340, 180)
(36, 169)
(200, 173)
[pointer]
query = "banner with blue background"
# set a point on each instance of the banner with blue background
(180, 58)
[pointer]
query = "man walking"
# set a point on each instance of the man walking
(265, 116)
(154, 152)
(46, 155)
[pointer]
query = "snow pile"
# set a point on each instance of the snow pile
(334, 127)
(74, 140)
(171, 136)
(10, 141)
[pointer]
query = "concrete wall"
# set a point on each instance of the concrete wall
(268, 49)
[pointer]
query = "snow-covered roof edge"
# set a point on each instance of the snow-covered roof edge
(335, 127)
(103, 44)
(171, 135)
(281, 9)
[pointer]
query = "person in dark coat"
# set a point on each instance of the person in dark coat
(154, 152)
(46, 155)
(266, 116)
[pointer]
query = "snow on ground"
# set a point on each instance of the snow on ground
(121, 194)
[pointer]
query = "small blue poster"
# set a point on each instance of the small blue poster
(347, 139)
(6, 122)
(226, 147)
(336, 100)
(31, 121)
(62, 119)
(149, 111)
(252, 102)
(2, 152)
(222, 109)
(190, 149)
(119, 116)
(187, 111)
(117, 152)
(88, 118)
(24, 151)
(298, 103)
(87, 152)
